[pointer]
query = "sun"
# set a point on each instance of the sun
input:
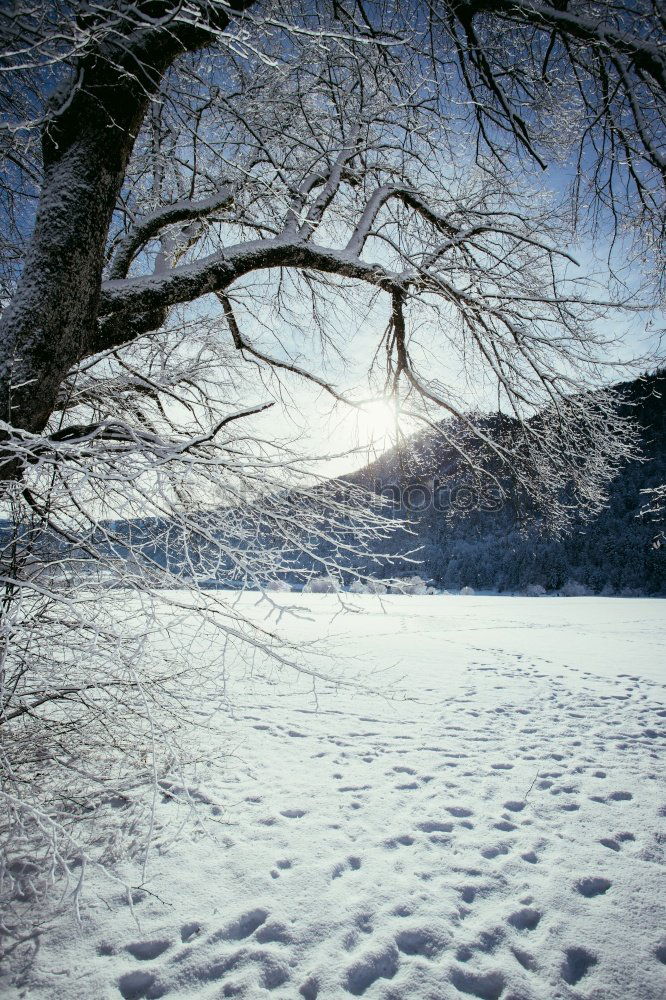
(377, 425)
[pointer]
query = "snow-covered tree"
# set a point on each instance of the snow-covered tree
(654, 505)
(163, 152)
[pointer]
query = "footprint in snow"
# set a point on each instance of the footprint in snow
(435, 826)
(494, 852)
(526, 960)
(274, 933)
(242, 927)
(145, 951)
(592, 886)
(310, 988)
(459, 811)
(351, 864)
(371, 967)
(136, 985)
(394, 842)
(419, 941)
(526, 919)
(486, 985)
(364, 922)
(189, 931)
(577, 963)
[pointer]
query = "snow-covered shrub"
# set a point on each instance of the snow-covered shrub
(534, 590)
(279, 586)
(468, 591)
(572, 588)
(376, 587)
(358, 587)
(410, 585)
(322, 585)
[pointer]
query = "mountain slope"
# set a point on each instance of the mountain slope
(469, 537)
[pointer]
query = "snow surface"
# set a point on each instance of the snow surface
(491, 829)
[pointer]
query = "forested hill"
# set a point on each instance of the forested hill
(460, 536)
(467, 541)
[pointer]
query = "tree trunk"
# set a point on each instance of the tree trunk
(86, 145)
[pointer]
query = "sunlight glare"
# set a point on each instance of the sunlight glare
(376, 426)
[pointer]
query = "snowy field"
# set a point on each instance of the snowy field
(491, 829)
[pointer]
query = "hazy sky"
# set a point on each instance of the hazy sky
(346, 438)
